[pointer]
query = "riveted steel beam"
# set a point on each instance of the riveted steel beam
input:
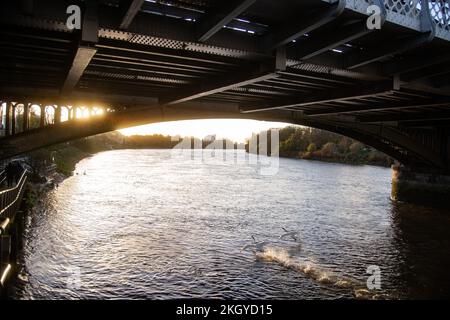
(336, 95)
(295, 29)
(396, 46)
(255, 73)
(335, 38)
(131, 10)
(221, 16)
(85, 50)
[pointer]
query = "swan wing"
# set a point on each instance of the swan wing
(284, 236)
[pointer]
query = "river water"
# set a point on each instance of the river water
(151, 224)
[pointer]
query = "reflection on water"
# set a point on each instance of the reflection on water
(422, 235)
(145, 224)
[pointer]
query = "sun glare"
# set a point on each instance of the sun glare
(236, 130)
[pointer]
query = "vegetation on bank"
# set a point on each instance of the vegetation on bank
(314, 144)
(295, 142)
(30, 197)
(66, 155)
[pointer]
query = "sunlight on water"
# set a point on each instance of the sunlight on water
(150, 224)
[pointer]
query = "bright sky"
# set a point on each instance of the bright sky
(235, 130)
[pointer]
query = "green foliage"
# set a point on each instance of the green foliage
(66, 158)
(294, 142)
(30, 197)
(311, 147)
(309, 143)
(329, 150)
(156, 141)
(356, 148)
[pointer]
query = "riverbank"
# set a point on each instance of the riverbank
(295, 143)
(47, 169)
(313, 144)
(372, 161)
(36, 189)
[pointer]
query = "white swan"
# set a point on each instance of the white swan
(293, 235)
(256, 246)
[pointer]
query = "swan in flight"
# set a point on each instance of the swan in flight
(256, 246)
(293, 235)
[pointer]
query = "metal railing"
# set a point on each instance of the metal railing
(409, 8)
(440, 12)
(407, 13)
(2, 177)
(10, 198)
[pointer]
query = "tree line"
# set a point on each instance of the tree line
(315, 144)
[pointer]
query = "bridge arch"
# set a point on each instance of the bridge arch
(18, 115)
(92, 121)
(35, 115)
(49, 112)
(65, 113)
(423, 178)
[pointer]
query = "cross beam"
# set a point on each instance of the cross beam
(419, 116)
(80, 62)
(221, 16)
(397, 46)
(414, 63)
(343, 94)
(294, 30)
(132, 9)
(256, 73)
(332, 40)
(370, 55)
(86, 50)
(365, 109)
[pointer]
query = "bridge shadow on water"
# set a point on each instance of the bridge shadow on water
(422, 237)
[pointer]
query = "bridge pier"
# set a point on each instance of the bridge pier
(58, 114)
(13, 118)
(420, 186)
(8, 119)
(72, 114)
(42, 117)
(26, 116)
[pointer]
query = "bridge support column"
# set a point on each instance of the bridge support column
(57, 114)
(419, 186)
(71, 113)
(42, 118)
(8, 119)
(26, 116)
(13, 118)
